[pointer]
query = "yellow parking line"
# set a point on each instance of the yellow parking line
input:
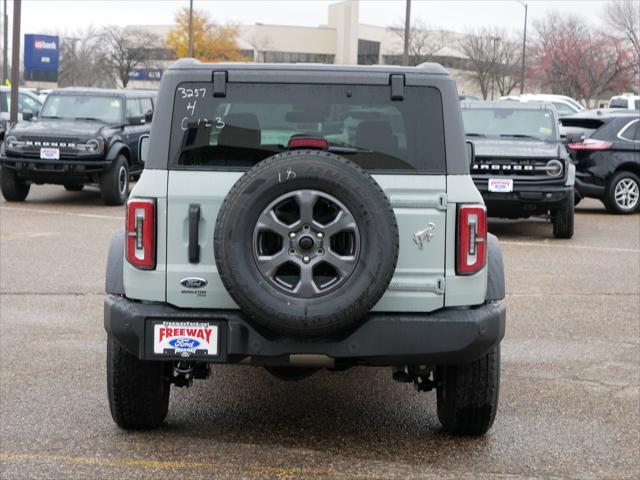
(545, 243)
(58, 212)
(278, 472)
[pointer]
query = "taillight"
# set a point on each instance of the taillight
(472, 239)
(141, 233)
(590, 144)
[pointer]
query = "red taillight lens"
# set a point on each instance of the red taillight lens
(590, 144)
(472, 239)
(308, 142)
(141, 233)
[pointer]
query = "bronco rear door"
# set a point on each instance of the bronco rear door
(398, 137)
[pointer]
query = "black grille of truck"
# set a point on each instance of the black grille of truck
(522, 169)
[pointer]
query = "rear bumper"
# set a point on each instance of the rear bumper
(449, 336)
(525, 200)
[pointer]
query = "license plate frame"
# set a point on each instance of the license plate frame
(189, 342)
(49, 153)
(500, 185)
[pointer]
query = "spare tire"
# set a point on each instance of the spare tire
(306, 243)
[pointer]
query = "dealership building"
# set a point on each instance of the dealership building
(344, 40)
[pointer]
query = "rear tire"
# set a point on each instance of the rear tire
(623, 193)
(563, 219)
(467, 395)
(138, 390)
(114, 182)
(13, 189)
(73, 187)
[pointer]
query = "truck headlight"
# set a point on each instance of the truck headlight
(94, 145)
(12, 142)
(555, 168)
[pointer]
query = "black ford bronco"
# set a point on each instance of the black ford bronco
(82, 136)
(299, 217)
(521, 166)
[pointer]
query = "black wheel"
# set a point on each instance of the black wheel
(114, 182)
(623, 193)
(73, 187)
(138, 391)
(563, 218)
(13, 189)
(467, 395)
(306, 243)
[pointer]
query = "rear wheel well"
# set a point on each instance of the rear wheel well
(629, 167)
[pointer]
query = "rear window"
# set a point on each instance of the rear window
(583, 126)
(618, 103)
(256, 120)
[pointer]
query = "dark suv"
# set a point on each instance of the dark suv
(521, 166)
(608, 159)
(82, 136)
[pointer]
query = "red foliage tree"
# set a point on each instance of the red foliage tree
(571, 58)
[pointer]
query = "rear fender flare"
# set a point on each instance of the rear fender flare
(114, 282)
(495, 270)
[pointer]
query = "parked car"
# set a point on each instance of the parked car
(627, 101)
(564, 105)
(521, 166)
(82, 136)
(302, 227)
(608, 159)
(27, 101)
(465, 97)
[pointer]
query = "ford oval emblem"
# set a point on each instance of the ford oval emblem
(193, 282)
(184, 342)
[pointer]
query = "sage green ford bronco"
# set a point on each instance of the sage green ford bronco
(299, 217)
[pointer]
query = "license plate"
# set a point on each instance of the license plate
(501, 185)
(50, 153)
(186, 339)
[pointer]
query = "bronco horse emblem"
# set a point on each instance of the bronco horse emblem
(425, 234)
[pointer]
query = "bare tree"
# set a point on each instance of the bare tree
(623, 16)
(424, 41)
(261, 45)
(507, 62)
(126, 49)
(82, 60)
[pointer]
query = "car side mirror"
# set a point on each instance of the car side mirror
(27, 115)
(471, 153)
(573, 138)
(137, 120)
(148, 116)
(143, 147)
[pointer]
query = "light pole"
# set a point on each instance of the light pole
(407, 32)
(5, 45)
(524, 45)
(191, 28)
(15, 61)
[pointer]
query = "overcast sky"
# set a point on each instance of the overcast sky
(48, 16)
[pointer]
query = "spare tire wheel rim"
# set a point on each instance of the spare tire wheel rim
(306, 243)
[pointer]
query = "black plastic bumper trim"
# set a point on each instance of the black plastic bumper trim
(449, 336)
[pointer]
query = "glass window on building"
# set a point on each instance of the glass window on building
(368, 52)
(297, 57)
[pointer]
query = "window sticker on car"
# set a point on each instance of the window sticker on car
(115, 104)
(185, 339)
(545, 130)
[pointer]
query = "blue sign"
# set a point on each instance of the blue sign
(41, 52)
(148, 74)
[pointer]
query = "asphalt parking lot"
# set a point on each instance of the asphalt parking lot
(570, 392)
